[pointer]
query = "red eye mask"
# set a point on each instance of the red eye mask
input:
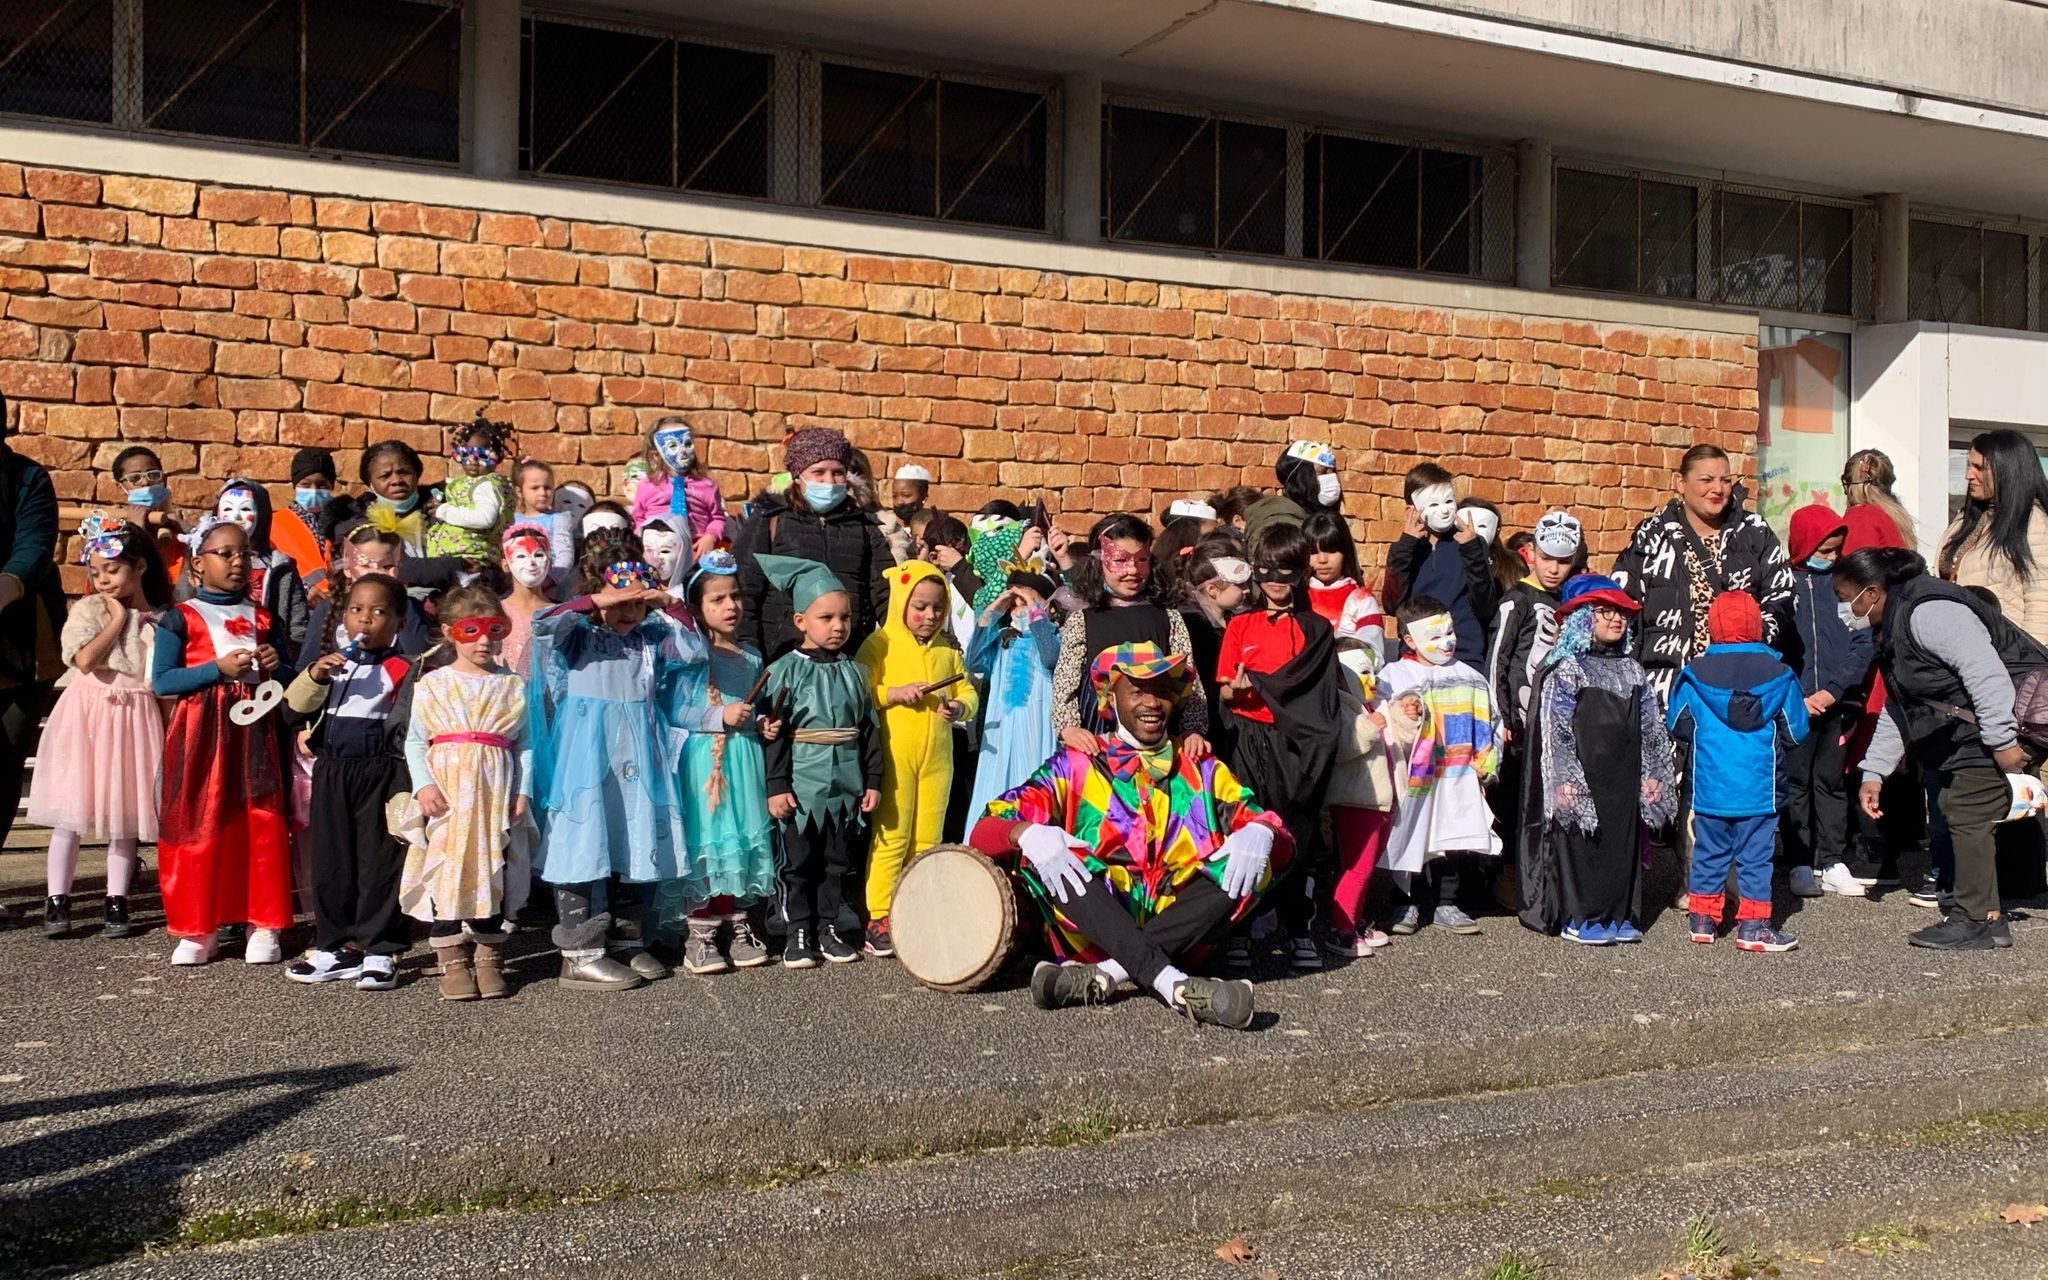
(471, 630)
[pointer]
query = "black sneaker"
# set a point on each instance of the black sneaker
(57, 915)
(1059, 986)
(315, 967)
(116, 919)
(2001, 933)
(881, 942)
(1927, 895)
(1957, 932)
(802, 951)
(1217, 1004)
(837, 949)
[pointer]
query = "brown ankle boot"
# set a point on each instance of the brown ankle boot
(458, 980)
(490, 972)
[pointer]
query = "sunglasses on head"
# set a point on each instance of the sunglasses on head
(471, 630)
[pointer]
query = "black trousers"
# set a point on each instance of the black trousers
(817, 874)
(1145, 951)
(1442, 880)
(21, 715)
(1974, 802)
(1815, 822)
(492, 927)
(356, 862)
(583, 922)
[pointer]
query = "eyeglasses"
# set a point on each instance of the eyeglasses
(471, 630)
(227, 555)
(137, 479)
(1609, 612)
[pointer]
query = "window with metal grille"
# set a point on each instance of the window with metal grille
(1393, 204)
(627, 106)
(379, 77)
(932, 146)
(1202, 181)
(1968, 274)
(1626, 231)
(57, 59)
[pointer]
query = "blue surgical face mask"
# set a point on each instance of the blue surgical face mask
(154, 495)
(1818, 565)
(312, 499)
(823, 497)
(405, 507)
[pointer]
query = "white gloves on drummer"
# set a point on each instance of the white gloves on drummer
(1050, 851)
(1246, 852)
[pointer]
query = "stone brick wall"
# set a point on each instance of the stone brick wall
(226, 327)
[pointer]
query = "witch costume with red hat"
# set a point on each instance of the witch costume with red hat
(1597, 774)
(223, 846)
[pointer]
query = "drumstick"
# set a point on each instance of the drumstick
(948, 682)
(759, 684)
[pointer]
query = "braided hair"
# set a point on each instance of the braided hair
(495, 435)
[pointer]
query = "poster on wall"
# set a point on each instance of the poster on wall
(1802, 385)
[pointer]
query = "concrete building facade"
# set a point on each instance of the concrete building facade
(1108, 253)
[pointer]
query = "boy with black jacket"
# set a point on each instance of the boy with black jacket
(1833, 665)
(1525, 624)
(1441, 556)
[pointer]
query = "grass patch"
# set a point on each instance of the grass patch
(1885, 1240)
(1565, 1188)
(1980, 1126)
(1709, 1255)
(1517, 1265)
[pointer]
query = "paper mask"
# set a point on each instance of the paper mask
(238, 505)
(1484, 523)
(659, 546)
(1434, 639)
(527, 560)
(1438, 508)
(574, 501)
(678, 449)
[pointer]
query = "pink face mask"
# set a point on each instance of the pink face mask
(1118, 561)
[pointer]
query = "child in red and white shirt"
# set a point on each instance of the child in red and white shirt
(1337, 593)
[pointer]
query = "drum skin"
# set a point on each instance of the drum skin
(954, 918)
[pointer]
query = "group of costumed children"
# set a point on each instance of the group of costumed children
(575, 710)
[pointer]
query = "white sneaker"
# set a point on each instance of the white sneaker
(193, 951)
(1837, 880)
(262, 947)
(380, 973)
(1805, 884)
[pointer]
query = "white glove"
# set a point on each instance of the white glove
(1050, 851)
(1247, 850)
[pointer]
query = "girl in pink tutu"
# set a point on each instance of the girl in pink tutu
(97, 765)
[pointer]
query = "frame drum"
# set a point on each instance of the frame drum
(954, 918)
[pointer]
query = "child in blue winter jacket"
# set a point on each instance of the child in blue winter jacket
(1731, 704)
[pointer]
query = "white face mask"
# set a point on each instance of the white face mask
(658, 547)
(1484, 523)
(239, 506)
(1328, 488)
(527, 561)
(1851, 619)
(1438, 508)
(604, 520)
(573, 502)
(1435, 640)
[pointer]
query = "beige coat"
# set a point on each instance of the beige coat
(2024, 601)
(1365, 771)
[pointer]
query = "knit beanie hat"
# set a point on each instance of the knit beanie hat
(312, 461)
(1734, 618)
(813, 445)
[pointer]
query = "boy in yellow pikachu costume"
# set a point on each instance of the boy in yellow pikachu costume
(906, 660)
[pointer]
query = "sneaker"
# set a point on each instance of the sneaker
(1406, 921)
(746, 948)
(1308, 957)
(835, 948)
(1704, 927)
(1837, 880)
(1217, 1004)
(1449, 916)
(262, 947)
(315, 967)
(1587, 933)
(1375, 939)
(380, 973)
(194, 951)
(802, 951)
(57, 915)
(116, 919)
(1758, 935)
(1346, 946)
(880, 942)
(1804, 883)
(1625, 933)
(1927, 895)
(1061, 986)
(1957, 932)
(1237, 955)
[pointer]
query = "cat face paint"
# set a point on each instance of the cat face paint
(1438, 508)
(1434, 639)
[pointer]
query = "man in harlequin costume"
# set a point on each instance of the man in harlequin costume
(1139, 854)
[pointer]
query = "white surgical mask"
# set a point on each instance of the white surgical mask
(1851, 619)
(1434, 639)
(1438, 507)
(1328, 488)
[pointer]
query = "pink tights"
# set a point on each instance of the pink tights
(1360, 836)
(121, 860)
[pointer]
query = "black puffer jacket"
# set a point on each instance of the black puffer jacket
(1653, 569)
(846, 540)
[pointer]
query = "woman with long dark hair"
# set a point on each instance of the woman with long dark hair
(2000, 540)
(1951, 665)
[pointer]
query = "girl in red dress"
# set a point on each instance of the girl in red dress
(223, 853)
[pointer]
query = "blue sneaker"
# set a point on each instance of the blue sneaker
(1588, 933)
(1625, 933)
(1757, 935)
(1704, 927)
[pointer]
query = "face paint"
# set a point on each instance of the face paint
(676, 447)
(659, 546)
(1434, 639)
(1439, 509)
(238, 505)
(1484, 523)
(526, 559)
